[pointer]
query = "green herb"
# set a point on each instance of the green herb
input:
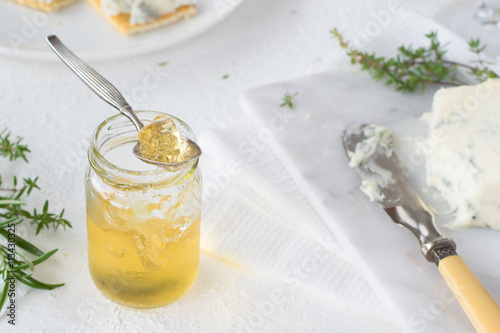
(413, 68)
(14, 265)
(288, 100)
(12, 149)
(161, 64)
(225, 77)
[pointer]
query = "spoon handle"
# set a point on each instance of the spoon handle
(95, 81)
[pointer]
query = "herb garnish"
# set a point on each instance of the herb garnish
(288, 100)
(12, 149)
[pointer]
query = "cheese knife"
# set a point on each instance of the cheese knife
(369, 148)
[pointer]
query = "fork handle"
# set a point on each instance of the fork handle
(480, 307)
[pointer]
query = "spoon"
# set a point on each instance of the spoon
(105, 90)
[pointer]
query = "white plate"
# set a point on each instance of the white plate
(91, 36)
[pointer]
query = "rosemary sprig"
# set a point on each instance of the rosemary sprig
(14, 265)
(28, 186)
(414, 68)
(46, 219)
(288, 100)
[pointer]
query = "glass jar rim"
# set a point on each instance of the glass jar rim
(119, 176)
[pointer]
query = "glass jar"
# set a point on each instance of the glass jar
(143, 222)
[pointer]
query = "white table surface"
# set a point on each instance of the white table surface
(260, 43)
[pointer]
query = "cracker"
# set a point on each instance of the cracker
(47, 7)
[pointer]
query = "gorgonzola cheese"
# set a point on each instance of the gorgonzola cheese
(463, 161)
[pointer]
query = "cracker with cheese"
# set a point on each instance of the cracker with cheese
(137, 16)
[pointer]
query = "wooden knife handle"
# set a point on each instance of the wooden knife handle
(480, 307)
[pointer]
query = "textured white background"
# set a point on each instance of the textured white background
(261, 42)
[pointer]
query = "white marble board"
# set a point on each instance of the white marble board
(307, 140)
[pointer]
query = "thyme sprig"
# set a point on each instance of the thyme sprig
(414, 68)
(14, 264)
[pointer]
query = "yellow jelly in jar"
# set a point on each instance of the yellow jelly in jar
(143, 241)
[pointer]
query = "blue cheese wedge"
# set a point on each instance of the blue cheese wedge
(464, 160)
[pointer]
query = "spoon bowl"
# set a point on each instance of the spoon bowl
(176, 166)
